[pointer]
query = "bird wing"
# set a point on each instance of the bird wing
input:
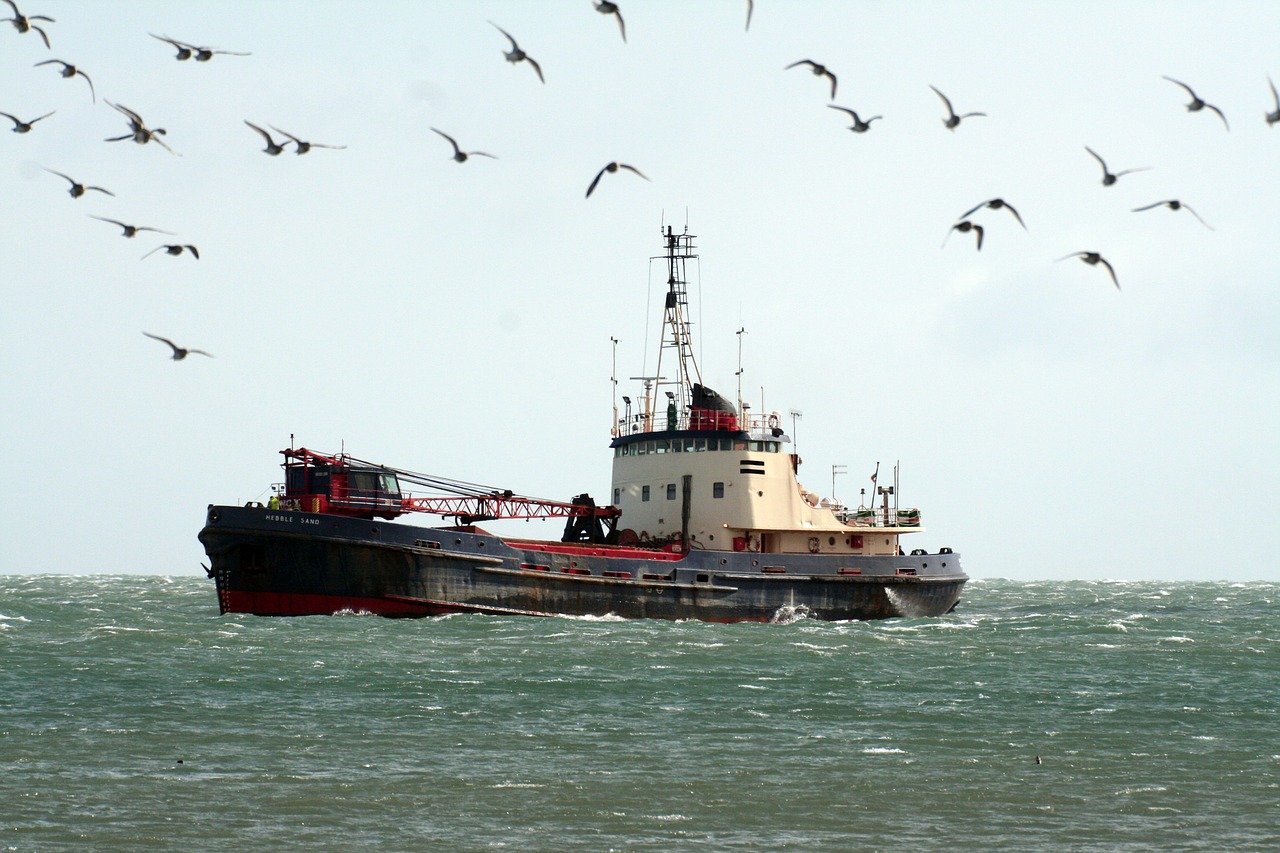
(200, 352)
(1274, 93)
(13, 6)
(751, 7)
(833, 83)
(174, 346)
(50, 62)
(1190, 91)
(60, 175)
(1149, 206)
(598, 176)
(143, 258)
(193, 250)
(945, 100)
(285, 133)
(1220, 115)
(456, 150)
(800, 62)
(536, 67)
(112, 221)
(971, 211)
(1112, 271)
(45, 116)
(622, 25)
(1197, 216)
(127, 112)
(514, 46)
(978, 228)
(265, 135)
(844, 110)
(92, 91)
(101, 190)
(1101, 162)
(632, 169)
(1016, 215)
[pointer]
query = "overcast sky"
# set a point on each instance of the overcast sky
(455, 318)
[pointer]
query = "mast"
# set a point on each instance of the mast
(676, 343)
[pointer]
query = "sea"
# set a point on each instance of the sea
(1038, 716)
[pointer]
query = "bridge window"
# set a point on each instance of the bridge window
(717, 490)
(644, 493)
(671, 491)
(617, 496)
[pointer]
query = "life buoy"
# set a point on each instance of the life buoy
(773, 421)
(814, 544)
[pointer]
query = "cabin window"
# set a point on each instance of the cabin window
(617, 496)
(699, 445)
(671, 491)
(739, 445)
(717, 490)
(644, 493)
(663, 446)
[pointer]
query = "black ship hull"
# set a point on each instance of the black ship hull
(289, 563)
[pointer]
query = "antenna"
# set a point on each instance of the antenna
(796, 415)
(613, 379)
(836, 469)
(742, 331)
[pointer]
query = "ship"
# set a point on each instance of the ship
(707, 520)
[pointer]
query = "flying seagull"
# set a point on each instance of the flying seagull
(173, 249)
(604, 7)
(185, 51)
(1093, 259)
(996, 204)
(1197, 104)
(518, 55)
(69, 70)
(78, 189)
(859, 126)
(272, 148)
(129, 230)
(1107, 177)
(612, 167)
(966, 226)
(22, 23)
(138, 130)
(179, 353)
(301, 147)
(460, 155)
(1174, 204)
(952, 120)
(819, 70)
(1274, 116)
(20, 126)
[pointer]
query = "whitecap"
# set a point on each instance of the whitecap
(883, 750)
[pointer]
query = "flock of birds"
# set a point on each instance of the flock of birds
(142, 134)
(953, 119)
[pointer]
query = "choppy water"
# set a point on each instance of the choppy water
(133, 716)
